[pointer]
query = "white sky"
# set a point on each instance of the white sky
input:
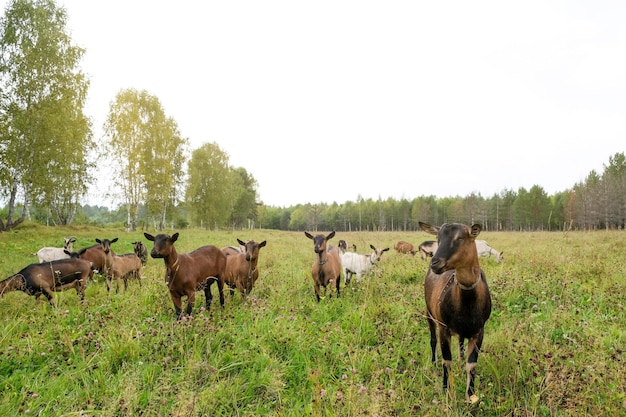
(324, 101)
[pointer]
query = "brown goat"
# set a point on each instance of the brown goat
(233, 250)
(241, 268)
(105, 246)
(404, 247)
(97, 255)
(327, 267)
(48, 277)
(187, 273)
(124, 267)
(457, 297)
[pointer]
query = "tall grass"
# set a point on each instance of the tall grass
(554, 345)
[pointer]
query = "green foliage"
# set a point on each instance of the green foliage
(210, 186)
(46, 137)
(553, 346)
(148, 153)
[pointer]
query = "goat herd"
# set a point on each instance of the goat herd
(456, 292)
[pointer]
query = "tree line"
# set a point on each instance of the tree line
(49, 160)
(598, 202)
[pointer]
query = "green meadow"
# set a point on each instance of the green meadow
(554, 345)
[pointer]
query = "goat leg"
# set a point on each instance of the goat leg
(446, 354)
(208, 296)
(220, 289)
(433, 336)
(177, 304)
(473, 347)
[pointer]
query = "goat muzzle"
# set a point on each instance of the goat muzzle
(438, 265)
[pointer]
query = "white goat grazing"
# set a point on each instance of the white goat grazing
(359, 265)
(51, 254)
(484, 250)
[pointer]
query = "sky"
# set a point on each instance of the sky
(329, 101)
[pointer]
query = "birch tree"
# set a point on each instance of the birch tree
(45, 138)
(147, 151)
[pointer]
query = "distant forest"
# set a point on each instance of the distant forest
(598, 202)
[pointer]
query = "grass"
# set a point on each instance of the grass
(554, 345)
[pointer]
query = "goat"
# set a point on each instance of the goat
(233, 250)
(359, 265)
(241, 268)
(427, 248)
(141, 251)
(105, 246)
(404, 247)
(97, 255)
(326, 269)
(343, 246)
(484, 250)
(47, 277)
(457, 297)
(123, 267)
(187, 273)
(50, 254)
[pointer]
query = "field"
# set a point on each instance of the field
(554, 345)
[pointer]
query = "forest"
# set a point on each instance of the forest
(158, 182)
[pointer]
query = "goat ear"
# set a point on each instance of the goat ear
(307, 234)
(174, 237)
(148, 236)
(241, 242)
(372, 246)
(385, 250)
(330, 235)
(98, 241)
(262, 244)
(433, 230)
(114, 240)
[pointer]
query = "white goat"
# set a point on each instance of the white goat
(359, 265)
(51, 254)
(484, 250)
(429, 247)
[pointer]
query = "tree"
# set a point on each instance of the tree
(45, 137)
(147, 151)
(209, 182)
(614, 179)
(243, 198)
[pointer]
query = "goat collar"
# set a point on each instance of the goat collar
(321, 261)
(171, 273)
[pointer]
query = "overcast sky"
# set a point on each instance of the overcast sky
(323, 101)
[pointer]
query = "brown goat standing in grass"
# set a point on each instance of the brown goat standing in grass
(124, 267)
(105, 245)
(241, 268)
(187, 273)
(48, 277)
(457, 297)
(327, 267)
